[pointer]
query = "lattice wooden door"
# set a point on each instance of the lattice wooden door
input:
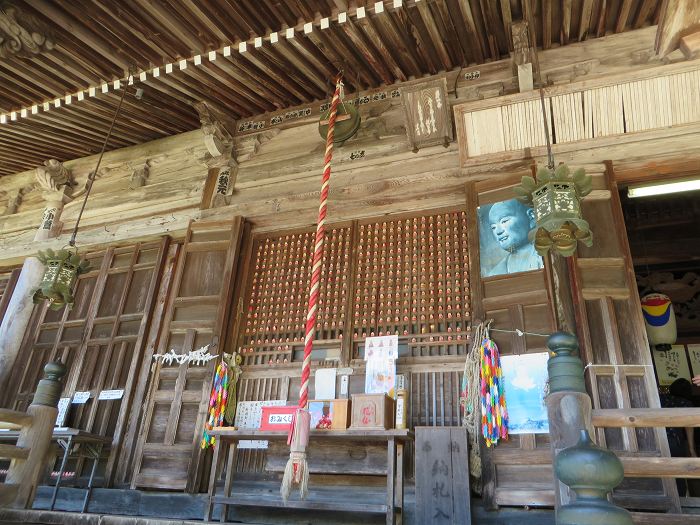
(168, 454)
(101, 340)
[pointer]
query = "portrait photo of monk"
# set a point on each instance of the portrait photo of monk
(504, 240)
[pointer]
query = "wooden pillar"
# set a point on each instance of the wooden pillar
(17, 316)
(54, 180)
(37, 436)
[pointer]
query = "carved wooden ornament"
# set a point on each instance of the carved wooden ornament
(428, 119)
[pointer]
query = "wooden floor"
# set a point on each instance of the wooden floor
(161, 508)
(108, 507)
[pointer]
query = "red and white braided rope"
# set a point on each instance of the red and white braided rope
(318, 251)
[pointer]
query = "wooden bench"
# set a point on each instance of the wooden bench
(323, 442)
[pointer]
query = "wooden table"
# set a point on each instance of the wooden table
(394, 439)
(67, 439)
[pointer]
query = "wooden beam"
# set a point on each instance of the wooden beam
(649, 518)
(13, 452)
(678, 18)
(468, 18)
(646, 9)
(53, 13)
(546, 24)
(433, 34)
(565, 21)
(623, 16)
(646, 417)
(584, 24)
(690, 45)
(14, 417)
(657, 467)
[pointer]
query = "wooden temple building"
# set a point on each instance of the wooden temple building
(199, 230)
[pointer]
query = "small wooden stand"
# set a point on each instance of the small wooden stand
(394, 439)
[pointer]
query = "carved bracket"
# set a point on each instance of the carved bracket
(13, 199)
(218, 131)
(139, 175)
(524, 56)
(20, 34)
(53, 177)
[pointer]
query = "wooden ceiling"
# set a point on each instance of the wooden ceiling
(96, 41)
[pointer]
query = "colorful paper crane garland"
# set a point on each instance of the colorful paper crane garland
(217, 404)
(494, 415)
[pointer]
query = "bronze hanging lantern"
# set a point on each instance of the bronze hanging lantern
(64, 267)
(555, 196)
(62, 271)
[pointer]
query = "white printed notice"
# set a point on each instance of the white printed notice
(63, 405)
(380, 371)
(324, 383)
(111, 394)
(80, 398)
(249, 416)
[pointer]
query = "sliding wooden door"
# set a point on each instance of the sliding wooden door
(613, 339)
(168, 454)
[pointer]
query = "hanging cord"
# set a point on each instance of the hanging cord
(550, 156)
(518, 332)
(91, 176)
(471, 403)
(296, 471)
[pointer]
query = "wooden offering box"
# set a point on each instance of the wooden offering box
(372, 411)
(330, 414)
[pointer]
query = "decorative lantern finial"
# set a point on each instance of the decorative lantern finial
(555, 194)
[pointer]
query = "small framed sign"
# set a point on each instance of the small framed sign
(277, 418)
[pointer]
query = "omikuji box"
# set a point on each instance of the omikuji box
(330, 414)
(372, 411)
(276, 418)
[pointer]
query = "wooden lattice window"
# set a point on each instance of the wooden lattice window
(406, 276)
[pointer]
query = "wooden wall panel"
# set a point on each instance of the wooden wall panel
(518, 301)
(101, 340)
(167, 453)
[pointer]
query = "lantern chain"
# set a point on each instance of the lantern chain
(93, 174)
(550, 157)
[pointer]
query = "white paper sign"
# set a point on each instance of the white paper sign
(63, 405)
(111, 394)
(380, 372)
(80, 398)
(324, 383)
(249, 416)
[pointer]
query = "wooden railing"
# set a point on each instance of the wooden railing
(29, 455)
(653, 467)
